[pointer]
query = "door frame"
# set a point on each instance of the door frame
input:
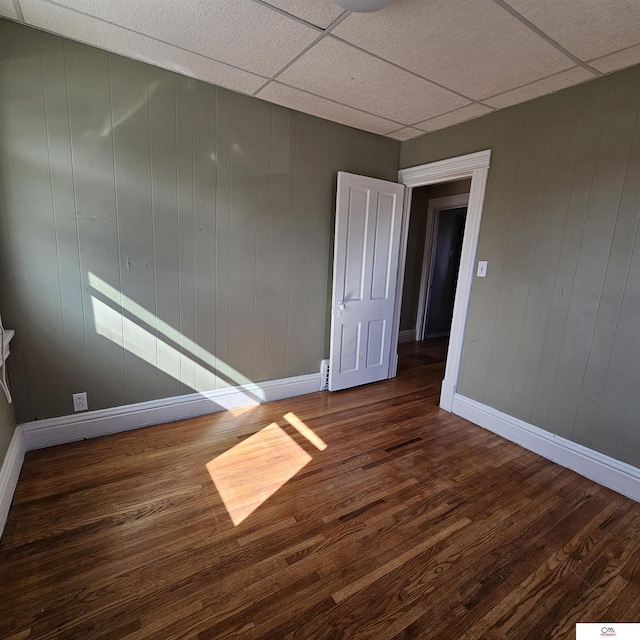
(474, 166)
(434, 207)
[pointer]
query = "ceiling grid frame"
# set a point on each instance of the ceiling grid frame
(151, 33)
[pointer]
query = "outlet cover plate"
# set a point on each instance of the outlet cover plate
(80, 401)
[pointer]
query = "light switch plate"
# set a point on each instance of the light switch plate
(482, 269)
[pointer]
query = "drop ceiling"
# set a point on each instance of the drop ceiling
(414, 67)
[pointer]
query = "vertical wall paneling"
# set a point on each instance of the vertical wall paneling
(560, 159)
(590, 118)
(43, 341)
(618, 284)
(551, 336)
(204, 192)
(302, 244)
(586, 295)
(223, 204)
(280, 225)
(92, 140)
(15, 90)
(132, 161)
(262, 240)
(499, 198)
(64, 211)
(242, 231)
(526, 209)
(321, 264)
(186, 229)
(617, 427)
(164, 203)
(159, 235)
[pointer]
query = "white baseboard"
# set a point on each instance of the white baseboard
(609, 472)
(91, 424)
(9, 473)
(408, 335)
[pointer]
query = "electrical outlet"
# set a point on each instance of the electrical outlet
(80, 401)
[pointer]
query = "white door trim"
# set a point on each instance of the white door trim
(475, 166)
(433, 207)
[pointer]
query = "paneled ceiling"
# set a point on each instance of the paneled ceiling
(414, 67)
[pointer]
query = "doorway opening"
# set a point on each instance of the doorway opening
(434, 247)
(476, 167)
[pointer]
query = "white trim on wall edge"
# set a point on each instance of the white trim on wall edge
(476, 166)
(54, 431)
(609, 472)
(408, 335)
(9, 473)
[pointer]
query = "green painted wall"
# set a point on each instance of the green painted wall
(552, 334)
(159, 234)
(413, 262)
(7, 425)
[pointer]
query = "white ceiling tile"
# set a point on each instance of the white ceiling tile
(8, 10)
(319, 12)
(619, 60)
(455, 117)
(241, 33)
(405, 134)
(106, 36)
(317, 106)
(472, 46)
(541, 87)
(349, 76)
(477, 48)
(587, 28)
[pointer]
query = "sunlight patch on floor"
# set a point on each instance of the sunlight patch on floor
(249, 473)
(305, 431)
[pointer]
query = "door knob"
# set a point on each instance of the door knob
(342, 306)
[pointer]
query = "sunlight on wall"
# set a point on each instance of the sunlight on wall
(165, 329)
(111, 123)
(114, 325)
(251, 472)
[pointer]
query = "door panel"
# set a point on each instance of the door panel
(367, 246)
(354, 272)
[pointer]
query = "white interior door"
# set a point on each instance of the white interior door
(365, 269)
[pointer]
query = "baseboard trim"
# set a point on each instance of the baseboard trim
(409, 335)
(54, 431)
(9, 473)
(609, 472)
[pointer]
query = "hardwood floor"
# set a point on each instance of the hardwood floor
(367, 513)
